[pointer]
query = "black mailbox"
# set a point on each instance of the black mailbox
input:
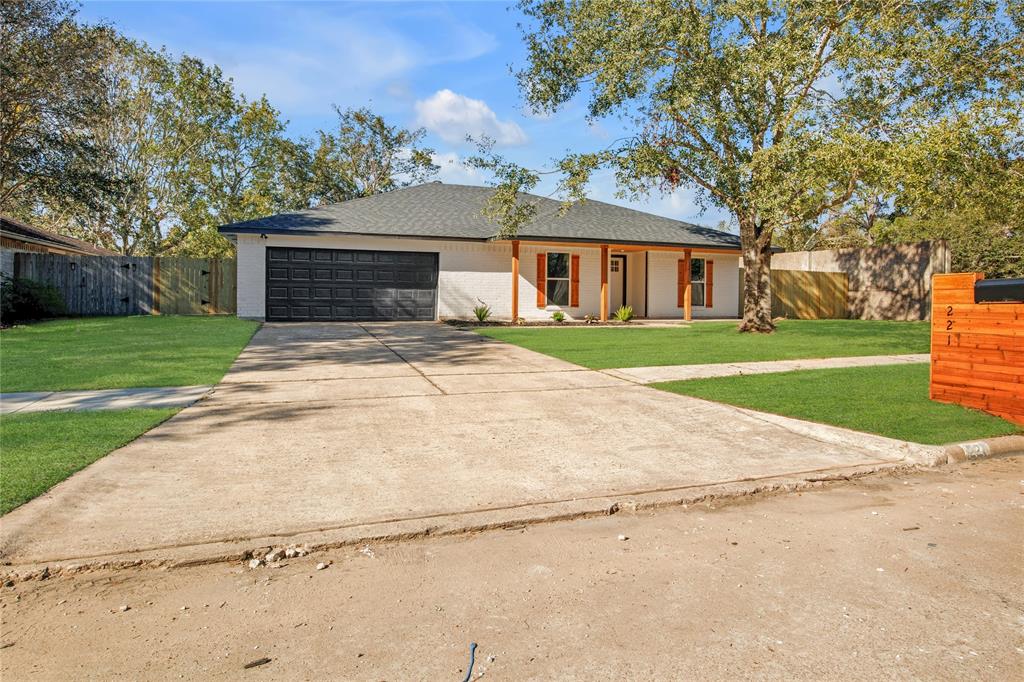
(999, 291)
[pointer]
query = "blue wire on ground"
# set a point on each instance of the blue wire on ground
(472, 659)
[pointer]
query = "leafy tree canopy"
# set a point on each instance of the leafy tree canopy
(138, 150)
(51, 92)
(780, 111)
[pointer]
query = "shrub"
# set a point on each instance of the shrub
(558, 316)
(590, 319)
(23, 299)
(482, 311)
(624, 313)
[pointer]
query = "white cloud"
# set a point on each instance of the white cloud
(453, 116)
(452, 169)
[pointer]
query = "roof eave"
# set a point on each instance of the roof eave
(228, 229)
(619, 242)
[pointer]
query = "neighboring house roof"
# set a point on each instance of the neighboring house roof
(19, 231)
(441, 211)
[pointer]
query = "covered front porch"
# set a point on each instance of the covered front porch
(656, 281)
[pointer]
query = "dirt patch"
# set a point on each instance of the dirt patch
(914, 576)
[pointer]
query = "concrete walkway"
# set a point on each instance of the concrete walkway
(112, 399)
(332, 432)
(650, 375)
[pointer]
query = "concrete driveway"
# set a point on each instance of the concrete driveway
(351, 431)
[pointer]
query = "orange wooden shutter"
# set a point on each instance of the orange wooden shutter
(709, 282)
(681, 282)
(542, 280)
(574, 282)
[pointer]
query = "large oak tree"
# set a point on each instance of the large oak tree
(778, 111)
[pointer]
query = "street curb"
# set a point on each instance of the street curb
(470, 522)
(1003, 446)
(453, 524)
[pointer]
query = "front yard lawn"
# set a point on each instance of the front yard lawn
(888, 400)
(120, 352)
(41, 449)
(709, 342)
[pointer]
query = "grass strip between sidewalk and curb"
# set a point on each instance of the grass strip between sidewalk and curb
(716, 342)
(890, 401)
(39, 450)
(121, 352)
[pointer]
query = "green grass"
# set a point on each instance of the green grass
(707, 342)
(39, 450)
(889, 400)
(120, 352)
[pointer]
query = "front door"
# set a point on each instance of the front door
(617, 283)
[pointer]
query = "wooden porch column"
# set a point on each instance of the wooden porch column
(515, 280)
(604, 282)
(687, 287)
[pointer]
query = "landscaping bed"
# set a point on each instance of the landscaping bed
(713, 342)
(474, 324)
(120, 352)
(888, 400)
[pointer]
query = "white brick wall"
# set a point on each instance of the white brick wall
(467, 270)
(662, 296)
(470, 271)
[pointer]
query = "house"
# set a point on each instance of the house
(426, 252)
(16, 236)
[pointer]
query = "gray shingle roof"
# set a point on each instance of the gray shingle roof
(17, 230)
(441, 211)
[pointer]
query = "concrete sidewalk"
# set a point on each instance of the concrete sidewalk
(111, 399)
(650, 375)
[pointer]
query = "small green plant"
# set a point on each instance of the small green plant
(624, 313)
(558, 316)
(482, 311)
(590, 319)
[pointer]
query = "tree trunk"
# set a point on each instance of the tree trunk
(757, 280)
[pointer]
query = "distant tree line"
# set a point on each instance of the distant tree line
(107, 139)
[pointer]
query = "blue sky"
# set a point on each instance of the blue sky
(441, 66)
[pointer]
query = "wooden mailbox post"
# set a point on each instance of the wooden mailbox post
(977, 357)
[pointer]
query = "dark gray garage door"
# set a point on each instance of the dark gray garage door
(336, 284)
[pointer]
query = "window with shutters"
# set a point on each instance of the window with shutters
(698, 275)
(558, 279)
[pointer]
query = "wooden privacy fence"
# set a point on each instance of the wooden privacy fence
(804, 295)
(977, 349)
(134, 285)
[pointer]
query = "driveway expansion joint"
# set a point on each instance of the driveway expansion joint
(400, 357)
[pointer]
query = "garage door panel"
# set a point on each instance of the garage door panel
(339, 284)
(276, 273)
